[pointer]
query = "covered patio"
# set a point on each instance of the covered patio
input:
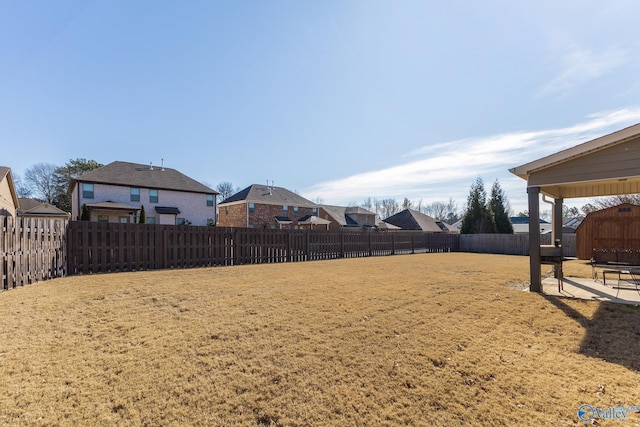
(605, 166)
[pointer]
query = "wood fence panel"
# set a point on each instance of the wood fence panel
(511, 244)
(31, 250)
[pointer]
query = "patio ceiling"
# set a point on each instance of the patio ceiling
(605, 166)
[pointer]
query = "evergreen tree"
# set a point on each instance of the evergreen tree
(85, 216)
(143, 216)
(477, 218)
(62, 177)
(499, 209)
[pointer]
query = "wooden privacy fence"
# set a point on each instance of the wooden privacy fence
(95, 247)
(40, 249)
(511, 244)
(31, 250)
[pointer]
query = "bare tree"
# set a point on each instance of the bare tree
(22, 189)
(443, 211)
(609, 202)
(389, 207)
(438, 210)
(225, 189)
(407, 204)
(42, 178)
(367, 203)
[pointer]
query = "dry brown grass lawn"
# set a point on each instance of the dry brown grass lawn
(425, 339)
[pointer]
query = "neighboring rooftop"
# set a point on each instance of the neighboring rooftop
(147, 176)
(409, 219)
(344, 215)
(36, 208)
(269, 195)
(524, 220)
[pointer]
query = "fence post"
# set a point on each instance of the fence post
(236, 247)
(393, 244)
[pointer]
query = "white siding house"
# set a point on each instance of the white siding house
(118, 191)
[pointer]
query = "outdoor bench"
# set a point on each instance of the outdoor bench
(614, 261)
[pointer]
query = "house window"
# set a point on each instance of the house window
(123, 219)
(135, 194)
(87, 191)
(252, 208)
(151, 220)
(226, 210)
(103, 218)
(209, 199)
(181, 221)
(295, 211)
(153, 196)
(285, 210)
(315, 211)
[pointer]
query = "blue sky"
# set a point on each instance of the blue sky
(337, 100)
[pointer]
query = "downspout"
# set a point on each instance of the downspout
(78, 204)
(556, 220)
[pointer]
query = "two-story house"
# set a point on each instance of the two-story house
(8, 196)
(116, 193)
(265, 206)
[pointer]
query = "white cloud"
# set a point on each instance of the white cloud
(581, 66)
(446, 170)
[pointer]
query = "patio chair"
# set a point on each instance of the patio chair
(635, 280)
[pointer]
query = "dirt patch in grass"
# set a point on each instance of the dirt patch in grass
(425, 339)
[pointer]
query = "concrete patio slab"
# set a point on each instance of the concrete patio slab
(621, 292)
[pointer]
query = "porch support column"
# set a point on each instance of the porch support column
(556, 221)
(534, 239)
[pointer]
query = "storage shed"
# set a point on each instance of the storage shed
(613, 228)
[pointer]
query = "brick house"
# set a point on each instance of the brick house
(265, 206)
(116, 193)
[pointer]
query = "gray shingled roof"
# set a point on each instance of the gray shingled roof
(269, 195)
(340, 214)
(4, 171)
(409, 219)
(136, 175)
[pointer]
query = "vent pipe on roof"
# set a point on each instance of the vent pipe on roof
(150, 166)
(162, 164)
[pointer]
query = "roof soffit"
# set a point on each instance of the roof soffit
(584, 149)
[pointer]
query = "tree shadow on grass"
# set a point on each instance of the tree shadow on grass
(612, 334)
